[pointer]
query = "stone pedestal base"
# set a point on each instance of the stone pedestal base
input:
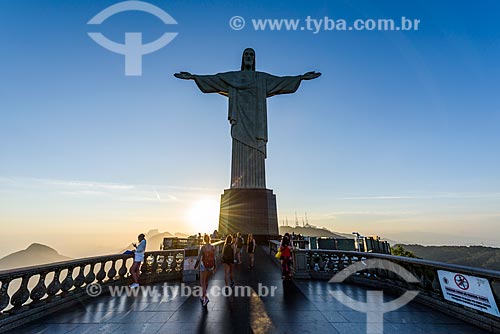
(249, 210)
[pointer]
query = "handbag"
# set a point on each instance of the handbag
(278, 254)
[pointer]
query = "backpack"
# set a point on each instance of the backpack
(285, 251)
(239, 242)
(208, 257)
(227, 254)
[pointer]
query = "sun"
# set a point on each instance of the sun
(203, 216)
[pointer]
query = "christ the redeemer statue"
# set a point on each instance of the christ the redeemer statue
(247, 91)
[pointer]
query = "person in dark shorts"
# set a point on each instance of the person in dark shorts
(251, 245)
(228, 260)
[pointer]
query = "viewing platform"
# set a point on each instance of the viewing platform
(302, 305)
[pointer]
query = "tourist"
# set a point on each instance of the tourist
(286, 257)
(206, 263)
(234, 236)
(138, 258)
(239, 247)
(228, 260)
(287, 235)
(251, 245)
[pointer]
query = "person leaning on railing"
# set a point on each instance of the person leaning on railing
(138, 258)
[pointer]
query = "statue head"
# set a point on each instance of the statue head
(248, 59)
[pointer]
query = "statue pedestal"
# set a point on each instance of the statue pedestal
(249, 210)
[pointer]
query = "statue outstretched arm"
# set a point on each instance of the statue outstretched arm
(184, 75)
(310, 75)
(288, 84)
(206, 83)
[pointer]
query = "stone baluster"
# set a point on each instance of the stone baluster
(345, 261)
(164, 265)
(341, 262)
(154, 265)
(330, 265)
(101, 274)
(55, 285)
(123, 269)
(179, 260)
(112, 271)
(384, 273)
(426, 279)
(321, 263)
(40, 289)
(436, 286)
(80, 279)
(22, 294)
(170, 262)
(316, 258)
(416, 271)
(67, 282)
(90, 277)
(4, 294)
(336, 263)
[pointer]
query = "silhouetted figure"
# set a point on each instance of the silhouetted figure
(251, 245)
(286, 258)
(228, 260)
(248, 91)
(239, 247)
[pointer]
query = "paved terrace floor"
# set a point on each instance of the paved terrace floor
(297, 307)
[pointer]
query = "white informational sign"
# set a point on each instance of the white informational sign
(189, 262)
(471, 291)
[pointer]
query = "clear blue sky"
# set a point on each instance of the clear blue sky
(400, 134)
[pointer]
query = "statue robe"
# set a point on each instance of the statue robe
(247, 92)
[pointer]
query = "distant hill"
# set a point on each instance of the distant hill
(312, 231)
(441, 239)
(473, 256)
(35, 254)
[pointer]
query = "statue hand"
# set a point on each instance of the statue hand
(184, 75)
(310, 75)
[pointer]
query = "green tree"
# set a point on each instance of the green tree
(400, 251)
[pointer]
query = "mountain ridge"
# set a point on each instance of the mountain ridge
(34, 254)
(471, 256)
